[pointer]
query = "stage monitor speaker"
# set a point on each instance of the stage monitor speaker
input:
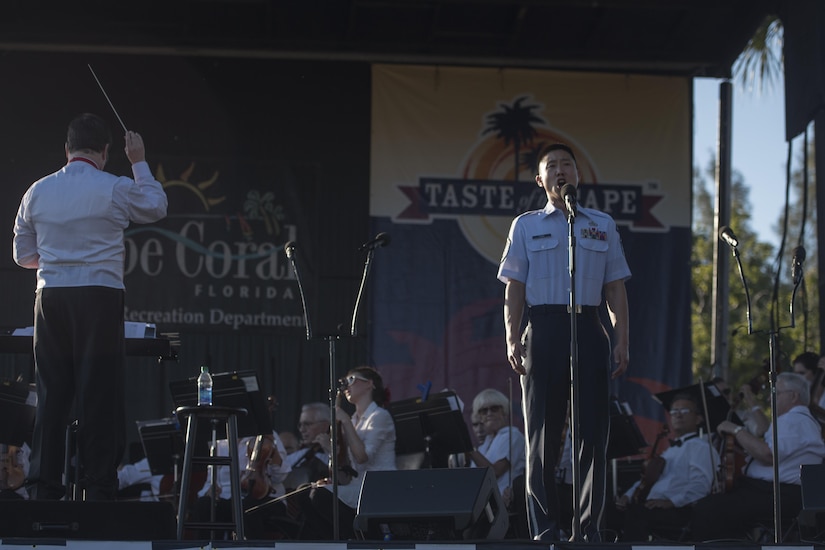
(93, 520)
(811, 518)
(431, 504)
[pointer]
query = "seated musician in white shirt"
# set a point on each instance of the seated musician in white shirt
(729, 515)
(690, 464)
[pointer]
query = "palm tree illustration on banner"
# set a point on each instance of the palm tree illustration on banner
(262, 207)
(514, 124)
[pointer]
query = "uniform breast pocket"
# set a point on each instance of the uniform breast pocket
(592, 259)
(544, 255)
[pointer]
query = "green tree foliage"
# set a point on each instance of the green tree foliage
(800, 230)
(749, 355)
(760, 65)
(767, 270)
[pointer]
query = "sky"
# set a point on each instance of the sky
(759, 149)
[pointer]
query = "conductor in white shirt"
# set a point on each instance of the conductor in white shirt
(69, 227)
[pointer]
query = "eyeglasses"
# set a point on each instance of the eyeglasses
(477, 424)
(350, 380)
(680, 412)
(492, 409)
(302, 425)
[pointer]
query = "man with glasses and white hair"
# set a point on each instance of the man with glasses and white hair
(730, 514)
(310, 462)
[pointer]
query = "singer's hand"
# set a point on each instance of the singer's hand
(621, 356)
(515, 355)
(134, 149)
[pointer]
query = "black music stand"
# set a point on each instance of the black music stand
(625, 437)
(18, 424)
(239, 390)
(717, 405)
(162, 442)
(435, 427)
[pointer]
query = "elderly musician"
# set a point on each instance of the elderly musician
(311, 461)
(730, 514)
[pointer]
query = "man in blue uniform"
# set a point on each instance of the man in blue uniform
(535, 269)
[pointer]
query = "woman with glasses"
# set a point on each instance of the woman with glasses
(368, 437)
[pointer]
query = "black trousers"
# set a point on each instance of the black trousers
(729, 515)
(79, 354)
(545, 395)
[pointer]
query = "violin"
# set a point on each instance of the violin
(651, 470)
(732, 455)
(254, 480)
(342, 452)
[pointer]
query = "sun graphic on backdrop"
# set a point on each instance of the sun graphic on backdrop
(492, 159)
(197, 189)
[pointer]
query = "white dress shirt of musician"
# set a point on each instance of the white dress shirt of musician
(369, 434)
(503, 448)
(377, 430)
(275, 472)
(690, 461)
(798, 433)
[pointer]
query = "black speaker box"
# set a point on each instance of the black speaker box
(118, 521)
(435, 504)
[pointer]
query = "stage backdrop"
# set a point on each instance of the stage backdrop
(453, 151)
(255, 153)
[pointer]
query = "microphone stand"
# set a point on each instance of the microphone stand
(364, 276)
(381, 239)
(574, 381)
(772, 336)
(289, 248)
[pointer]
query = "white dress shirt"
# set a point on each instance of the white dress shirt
(688, 473)
(800, 442)
(70, 224)
(377, 430)
(507, 443)
(276, 473)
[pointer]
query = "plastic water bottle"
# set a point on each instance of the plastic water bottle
(204, 387)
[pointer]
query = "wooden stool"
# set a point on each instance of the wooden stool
(229, 417)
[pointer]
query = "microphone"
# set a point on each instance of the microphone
(796, 265)
(289, 248)
(727, 235)
(382, 239)
(568, 193)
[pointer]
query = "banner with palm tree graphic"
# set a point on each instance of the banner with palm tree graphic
(453, 161)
